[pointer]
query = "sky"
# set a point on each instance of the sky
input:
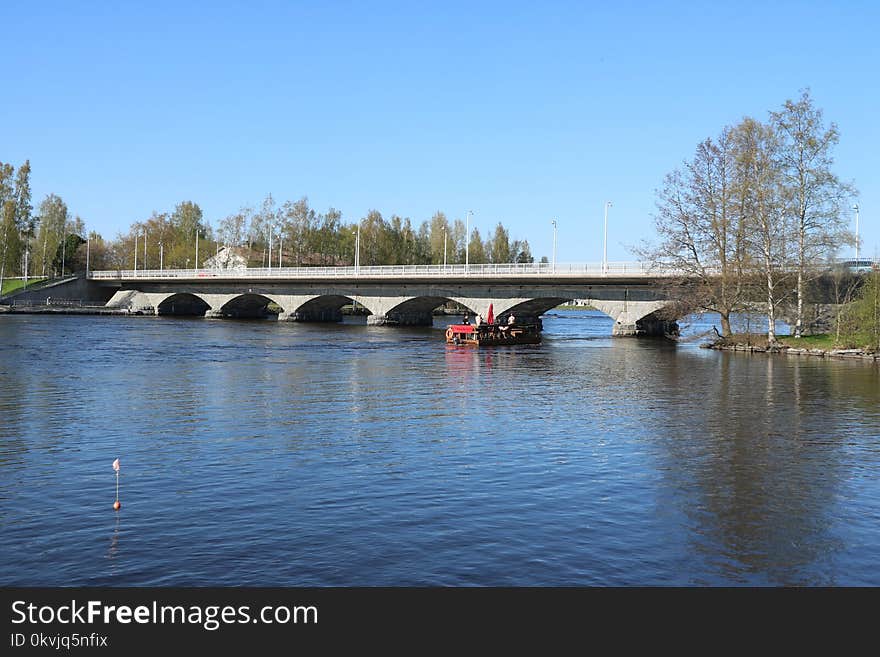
(522, 112)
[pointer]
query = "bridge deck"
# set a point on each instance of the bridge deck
(585, 272)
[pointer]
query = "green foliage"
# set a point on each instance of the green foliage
(10, 242)
(477, 253)
(860, 319)
(12, 284)
(23, 207)
(66, 260)
(54, 220)
(499, 247)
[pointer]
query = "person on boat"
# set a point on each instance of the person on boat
(479, 321)
(511, 319)
(466, 319)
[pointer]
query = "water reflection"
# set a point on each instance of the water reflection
(381, 456)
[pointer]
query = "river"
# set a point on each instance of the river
(286, 454)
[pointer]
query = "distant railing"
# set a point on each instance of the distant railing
(64, 303)
(611, 269)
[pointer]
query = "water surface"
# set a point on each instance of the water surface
(265, 453)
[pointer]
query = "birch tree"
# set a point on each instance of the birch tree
(762, 208)
(702, 232)
(814, 195)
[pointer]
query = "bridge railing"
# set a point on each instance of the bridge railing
(610, 269)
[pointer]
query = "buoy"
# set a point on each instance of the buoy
(116, 504)
(449, 334)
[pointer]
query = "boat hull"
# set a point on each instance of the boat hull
(492, 335)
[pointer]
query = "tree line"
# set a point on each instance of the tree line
(51, 242)
(756, 213)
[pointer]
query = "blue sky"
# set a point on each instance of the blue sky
(523, 112)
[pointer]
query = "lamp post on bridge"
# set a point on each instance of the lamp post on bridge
(467, 240)
(856, 208)
(161, 258)
(145, 248)
(553, 221)
(135, 251)
(197, 250)
(357, 250)
(444, 249)
(605, 242)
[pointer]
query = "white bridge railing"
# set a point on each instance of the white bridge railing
(546, 270)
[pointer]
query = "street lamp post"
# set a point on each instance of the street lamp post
(554, 244)
(605, 242)
(270, 250)
(135, 251)
(161, 258)
(63, 248)
(444, 249)
(145, 249)
(88, 251)
(197, 250)
(467, 240)
(357, 250)
(856, 208)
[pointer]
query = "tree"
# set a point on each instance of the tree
(66, 259)
(11, 246)
(23, 210)
(702, 230)
(440, 236)
(232, 229)
(187, 226)
(523, 252)
(477, 251)
(457, 240)
(23, 207)
(813, 194)
(763, 208)
(6, 232)
(862, 317)
(54, 218)
(499, 246)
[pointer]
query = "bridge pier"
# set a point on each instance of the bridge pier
(316, 315)
(645, 327)
(399, 318)
(636, 318)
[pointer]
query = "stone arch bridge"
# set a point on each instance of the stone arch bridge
(633, 297)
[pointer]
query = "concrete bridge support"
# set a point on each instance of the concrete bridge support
(400, 311)
(636, 312)
(636, 318)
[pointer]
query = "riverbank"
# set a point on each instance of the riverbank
(64, 310)
(814, 345)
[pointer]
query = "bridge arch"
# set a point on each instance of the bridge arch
(249, 306)
(417, 310)
(183, 304)
(325, 308)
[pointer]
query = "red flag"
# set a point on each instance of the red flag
(491, 318)
(116, 465)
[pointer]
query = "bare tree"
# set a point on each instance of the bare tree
(763, 209)
(813, 194)
(701, 232)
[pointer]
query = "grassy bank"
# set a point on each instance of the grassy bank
(11, 285)
(821, 341)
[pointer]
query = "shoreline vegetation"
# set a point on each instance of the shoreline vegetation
(11, 285)
(822, 345)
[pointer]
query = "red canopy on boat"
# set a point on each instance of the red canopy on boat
(491, 318)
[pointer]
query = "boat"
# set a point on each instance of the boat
(491, 335)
